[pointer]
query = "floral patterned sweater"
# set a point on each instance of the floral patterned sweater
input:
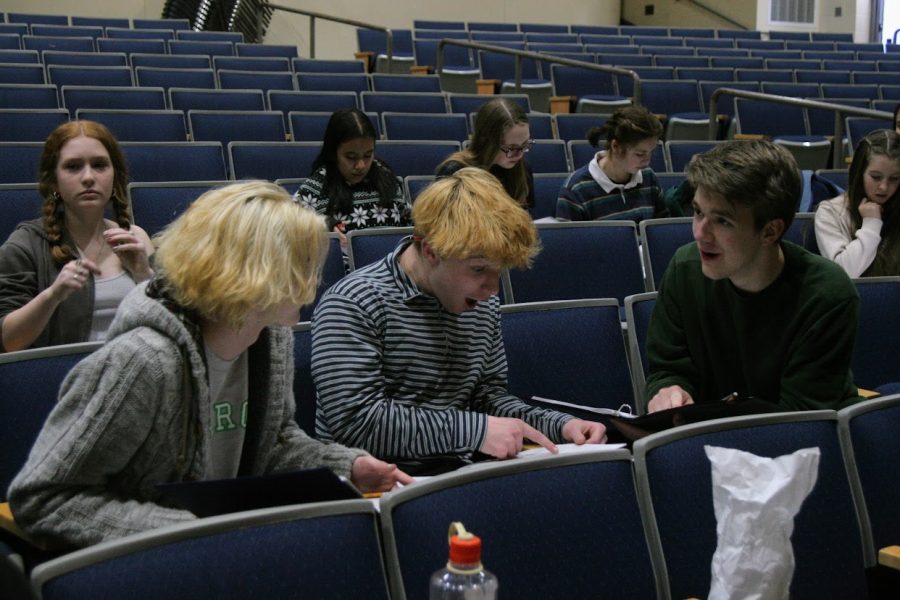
(367, 209)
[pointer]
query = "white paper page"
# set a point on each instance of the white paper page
(570, 449)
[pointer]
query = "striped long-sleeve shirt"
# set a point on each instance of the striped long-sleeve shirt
(590, 195)
(402, 378)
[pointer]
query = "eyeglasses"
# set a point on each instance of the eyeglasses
(511, 151)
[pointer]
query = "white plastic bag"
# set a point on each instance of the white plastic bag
(755, 500)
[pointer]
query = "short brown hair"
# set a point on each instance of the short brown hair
(758, 174)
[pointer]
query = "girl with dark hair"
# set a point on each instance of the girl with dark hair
(499, 144)
(62, 276)
(617, 183)
(860, 229)
(348, 185)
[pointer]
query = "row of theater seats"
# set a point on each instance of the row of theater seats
(418, 42)
(268, 73)
(634, 522)
(166, 177)
(682, 100)
(840, 67)
(60, 20)
(423, 25)
(422, 28)
(165, 161)
(419, 48)
(226, 116)
(651, 52)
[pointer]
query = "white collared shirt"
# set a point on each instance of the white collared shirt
(605, 182)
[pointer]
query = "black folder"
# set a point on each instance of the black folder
(220, 496)
(632, 429)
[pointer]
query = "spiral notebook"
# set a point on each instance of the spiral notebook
(220, 496)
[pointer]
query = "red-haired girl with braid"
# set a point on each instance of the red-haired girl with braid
(63, 275)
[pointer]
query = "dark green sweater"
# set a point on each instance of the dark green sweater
(790, 343)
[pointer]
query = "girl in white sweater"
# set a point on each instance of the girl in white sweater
(860, 229)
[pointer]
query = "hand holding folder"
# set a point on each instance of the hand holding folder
(732, 405)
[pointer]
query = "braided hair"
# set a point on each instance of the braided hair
(53, 210)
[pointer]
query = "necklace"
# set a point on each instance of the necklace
(101, 248)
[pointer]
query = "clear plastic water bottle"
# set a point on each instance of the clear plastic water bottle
(464, 578)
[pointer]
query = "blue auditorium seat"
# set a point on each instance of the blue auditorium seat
(85, 59)
(403, 102)
(869, 441)
(212, 48)
(539, 338)
(61, 75)
(200, 99)
(20, 161)
(207, 558)
(168, 78)
(30, 124)
(309, 126)
(424, 126)
(271, 160)
(132, 46)
(139, 125)
(235, 37)
(155, 205)
(252, 49)
(638, 309)
(69, 44)
(322, 65)
(256, 80)
(225, 126)
(175, 161)
(127, 33)
(253, 63)
(415, 157)
(672, 466)
(875, 355)
(124, 98)
(30, 380)
(609, 264)
(164, 23)
(488, 500)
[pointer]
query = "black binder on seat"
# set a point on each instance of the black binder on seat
(220, 496)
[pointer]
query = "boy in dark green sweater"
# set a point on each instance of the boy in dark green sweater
(740, 309)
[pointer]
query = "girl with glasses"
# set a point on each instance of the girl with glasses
(499, 144)
(618, 182)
